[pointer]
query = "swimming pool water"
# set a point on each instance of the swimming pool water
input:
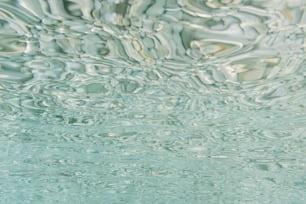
(152, 101)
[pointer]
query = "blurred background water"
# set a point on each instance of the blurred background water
(152, 101)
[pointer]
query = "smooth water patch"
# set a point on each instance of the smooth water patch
(133, 101)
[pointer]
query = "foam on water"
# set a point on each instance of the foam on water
(134, 101)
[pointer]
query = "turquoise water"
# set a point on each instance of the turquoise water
(143, 101)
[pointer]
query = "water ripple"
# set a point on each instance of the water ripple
(132, 101)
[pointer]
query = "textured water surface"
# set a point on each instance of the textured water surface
(152, 101)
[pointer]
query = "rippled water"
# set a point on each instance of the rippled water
(152, 101)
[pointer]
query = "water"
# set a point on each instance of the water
(166, 101)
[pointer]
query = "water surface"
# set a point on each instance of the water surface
(142, 101)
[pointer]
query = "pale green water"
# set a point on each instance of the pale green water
(142, 101)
